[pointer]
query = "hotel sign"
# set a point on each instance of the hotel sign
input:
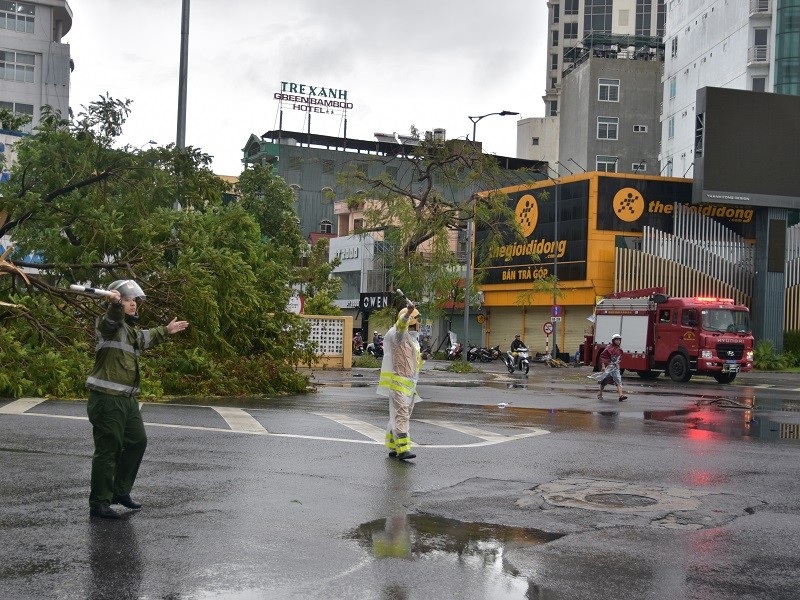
(313, 98)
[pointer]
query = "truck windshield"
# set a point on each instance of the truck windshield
(723, 319)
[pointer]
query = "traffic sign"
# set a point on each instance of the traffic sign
(548, 328)
(555, 310)
(555, 319)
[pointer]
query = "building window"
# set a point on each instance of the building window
(325, 226)
(597, 16)
(358, 224)
(608, 90)
(607, 128)
(554, 35)
(534, 141)
(606, 163)
(553, 82)
(17, 16)
(18, 108)
(553, 108)
(640, 129)
(674, 47)
(644, 17)
(554, 62)
(555, 13)
(760, 45)
(671, 128)
(570, 31)
(661, 18)
(673, 88)
(571, 7)
(639, 167)
(17, 66)
(759, 84)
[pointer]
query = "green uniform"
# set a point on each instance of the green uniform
(119, 436)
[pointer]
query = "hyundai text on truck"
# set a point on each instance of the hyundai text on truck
(679, 336)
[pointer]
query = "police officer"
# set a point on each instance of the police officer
(402, 360)
(117, 427)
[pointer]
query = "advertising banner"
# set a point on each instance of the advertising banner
(628, 205)
(535, 210)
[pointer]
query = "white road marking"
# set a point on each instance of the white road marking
(239, 420)
(19, 407)
(489, 436)
(367, 429)
(242, 423)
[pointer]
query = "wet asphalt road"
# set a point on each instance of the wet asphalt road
(523, 488)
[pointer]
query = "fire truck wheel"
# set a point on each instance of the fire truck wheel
(678, 369)
(725, 377)
(649, 375)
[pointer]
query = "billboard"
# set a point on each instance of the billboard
(745, 150)
(627, 205)
(535, 210)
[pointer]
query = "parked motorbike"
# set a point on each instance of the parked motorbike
(454, 351)
(489, 354)
(474, 353)
(521, 361)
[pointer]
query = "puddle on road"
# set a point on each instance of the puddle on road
(474, 548)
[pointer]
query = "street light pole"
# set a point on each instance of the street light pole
(468, 272)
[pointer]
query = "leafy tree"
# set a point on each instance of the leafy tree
(91, 213)
(440, 187)
(314, 278)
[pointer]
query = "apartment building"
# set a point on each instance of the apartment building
(737, 44)
(569, 23)
(34, 63)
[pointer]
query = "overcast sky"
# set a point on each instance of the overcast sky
(428, 63)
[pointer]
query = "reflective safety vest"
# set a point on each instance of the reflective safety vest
(116, 359)
(404, 378)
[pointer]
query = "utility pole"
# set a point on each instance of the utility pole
(183, 73)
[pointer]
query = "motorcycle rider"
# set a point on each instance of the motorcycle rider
(398, 381)
(515, 345)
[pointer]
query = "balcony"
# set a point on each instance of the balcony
(757, 55)
(760, 7)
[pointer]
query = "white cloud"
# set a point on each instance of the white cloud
(425, 63)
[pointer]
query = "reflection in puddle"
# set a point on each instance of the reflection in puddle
(702, 421)
(471, 547)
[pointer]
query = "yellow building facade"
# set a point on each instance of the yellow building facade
(572, 228)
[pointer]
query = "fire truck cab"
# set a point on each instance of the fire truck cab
(679, 336)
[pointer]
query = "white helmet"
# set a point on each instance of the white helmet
(127, 288)
(616, 336)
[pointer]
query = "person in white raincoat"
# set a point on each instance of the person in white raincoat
(402, 360)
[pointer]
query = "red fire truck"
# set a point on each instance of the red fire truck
(680, 336)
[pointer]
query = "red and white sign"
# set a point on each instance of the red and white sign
(547, 328)
(295, 305)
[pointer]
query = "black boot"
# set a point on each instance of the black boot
(126, 501)
(103, 511)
